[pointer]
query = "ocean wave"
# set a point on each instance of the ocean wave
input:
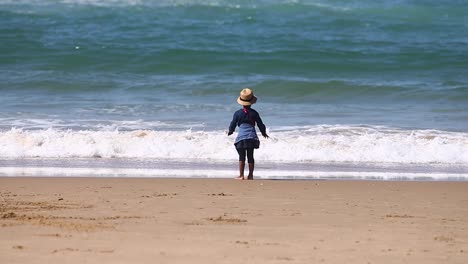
(271, 87)
(160, 3)
(382, 7)
(369, 144)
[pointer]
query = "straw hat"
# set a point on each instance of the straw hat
(246, 97)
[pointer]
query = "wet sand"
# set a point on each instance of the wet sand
(121, 220)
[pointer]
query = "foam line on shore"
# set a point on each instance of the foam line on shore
(214, 173)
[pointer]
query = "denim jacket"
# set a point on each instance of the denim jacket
(246, 123)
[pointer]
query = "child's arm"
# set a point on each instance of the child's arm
(233, 124)
(261, 126)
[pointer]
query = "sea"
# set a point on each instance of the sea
(348, 89)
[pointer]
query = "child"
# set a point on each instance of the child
(247, 139)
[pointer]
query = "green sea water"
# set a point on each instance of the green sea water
(363, 56)
(365, 81)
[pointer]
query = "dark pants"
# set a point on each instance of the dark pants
(249, 152)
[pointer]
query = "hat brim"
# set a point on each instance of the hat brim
(246, 103)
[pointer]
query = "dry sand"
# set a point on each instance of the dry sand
(105, 220)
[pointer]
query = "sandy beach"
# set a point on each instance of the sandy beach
(122, 220)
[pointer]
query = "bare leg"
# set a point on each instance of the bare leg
(241, 170)
(251, 170)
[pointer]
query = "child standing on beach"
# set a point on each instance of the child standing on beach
(247, 139)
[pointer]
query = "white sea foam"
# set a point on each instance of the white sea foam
(126, 2)
(298, 144)
(222, 3)
(216, 173)
(91, 124)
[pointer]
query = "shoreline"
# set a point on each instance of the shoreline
(279, 179)
(124, 220)
(174, 168)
